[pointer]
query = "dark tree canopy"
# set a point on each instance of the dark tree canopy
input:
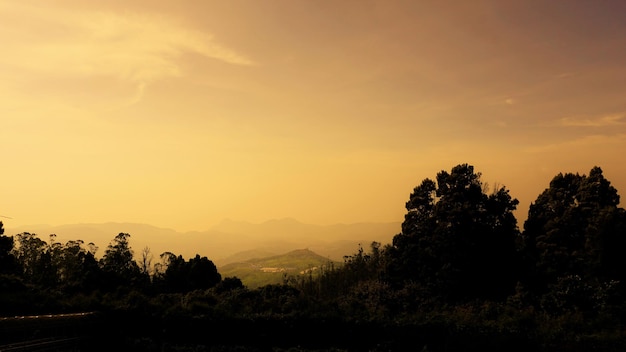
(7, 260)
(229, 284)
(183, 276)
(575, 227)
(118, 264)
(456, 240)
(35, 260)
(76, 267)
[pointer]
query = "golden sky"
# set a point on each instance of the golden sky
(182, 113)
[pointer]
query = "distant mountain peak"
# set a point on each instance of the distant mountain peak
(304, 251)
(283, 221)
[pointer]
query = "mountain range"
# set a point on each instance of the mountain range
(229, 241)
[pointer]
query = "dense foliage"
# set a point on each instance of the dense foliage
(575, 228)
(459, 273)
(457, 241)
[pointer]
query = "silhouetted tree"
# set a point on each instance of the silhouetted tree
(77, 269)
(202, 273)
(575, 228)
(183, 276)
(229, 284)
(171, 273)
(34, 256)
(145, 265)
(8, 264)
(457, 241)
(118, 264)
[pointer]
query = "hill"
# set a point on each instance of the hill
(272, 270)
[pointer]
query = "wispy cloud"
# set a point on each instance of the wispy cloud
(600, 121)
(618, 139)
(56, 43)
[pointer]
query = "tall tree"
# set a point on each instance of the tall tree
(118, 263)
(202, 273)
(8, 264)
(575, 227)
(145, 264)
(456, 240)
(34, 256)
(77, 268)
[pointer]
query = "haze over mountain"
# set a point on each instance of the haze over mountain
(228, 241)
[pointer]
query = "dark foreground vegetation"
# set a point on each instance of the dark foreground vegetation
(460, 276)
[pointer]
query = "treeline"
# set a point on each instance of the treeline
(462, 259)
(50, 277)
(461, 270)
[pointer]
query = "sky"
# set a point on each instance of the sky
(183, 113)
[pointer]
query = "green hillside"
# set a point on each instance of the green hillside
(273, 270)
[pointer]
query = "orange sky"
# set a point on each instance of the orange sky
(182, 113)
